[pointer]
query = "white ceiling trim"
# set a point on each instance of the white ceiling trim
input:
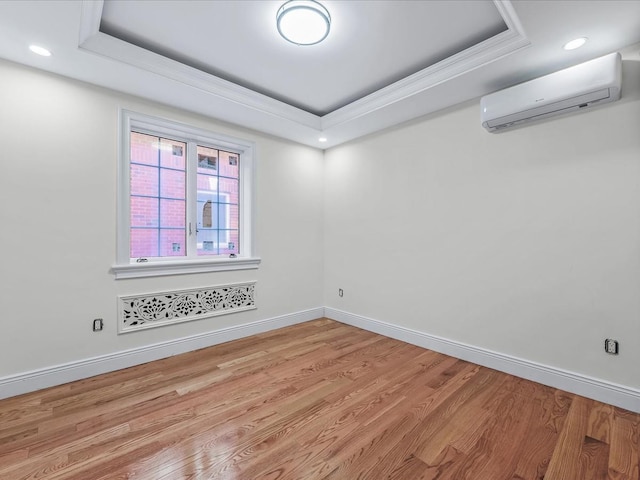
(94, 41)
(234, 103)
(485, 52)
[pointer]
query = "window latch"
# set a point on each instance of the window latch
(141, 260)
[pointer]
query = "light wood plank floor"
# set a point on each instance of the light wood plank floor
(319, 400)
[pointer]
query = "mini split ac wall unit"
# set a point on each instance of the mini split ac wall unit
(575, 88)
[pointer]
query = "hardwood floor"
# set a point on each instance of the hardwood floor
(319, 400)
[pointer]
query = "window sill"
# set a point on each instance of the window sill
(156, 269)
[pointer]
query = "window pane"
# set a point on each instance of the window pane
(218, 197)
(234, 217)
(172, 183)
(144, 180)
(148, 184)
(229, 189)
(207, 161)
(207, 214)
(144, 212)
(144, 148)
(172, 242)
(172, 154)
(229, 242)
(172, 213)
(144, 242)
(207, 187)
(207, 241)
(229, 164)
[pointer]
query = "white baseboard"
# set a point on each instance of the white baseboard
(611, 393)
(57, 375)
(579, 384)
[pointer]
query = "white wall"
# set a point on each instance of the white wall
(526, 242)
(58, 205)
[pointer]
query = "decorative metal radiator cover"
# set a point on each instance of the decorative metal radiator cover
(138, 312)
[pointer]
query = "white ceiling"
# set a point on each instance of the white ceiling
(371, 45)
(385, 62)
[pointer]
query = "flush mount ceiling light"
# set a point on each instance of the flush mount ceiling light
(303, 22)
(576, 43)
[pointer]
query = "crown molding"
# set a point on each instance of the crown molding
(494, 48)
(219, 98)
(94, 41)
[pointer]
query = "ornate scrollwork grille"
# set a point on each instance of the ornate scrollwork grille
(162, 308)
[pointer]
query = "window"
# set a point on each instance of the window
(184, 199)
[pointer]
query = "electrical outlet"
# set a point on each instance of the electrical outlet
(340, 292)
(97, 324)
(611, 346)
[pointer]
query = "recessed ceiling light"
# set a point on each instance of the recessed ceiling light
(322, 139)
(40, 50)
(303, 22)
(576, 43)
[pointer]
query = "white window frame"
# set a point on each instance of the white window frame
(125, 267)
